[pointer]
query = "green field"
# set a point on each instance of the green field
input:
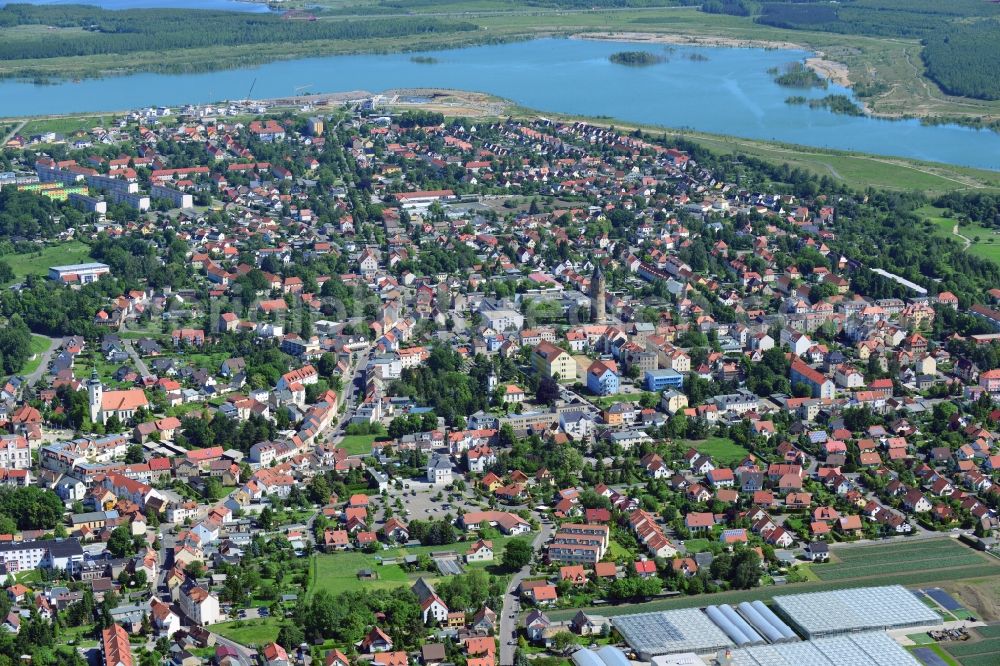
(338, 572)
(867, 561)
(935, 570)
(66, 125)
(722, 449)
(616, 551)
(38, 263)
(39, 345)
(357, 444)
(982, 241)
(979, 653)
(249, 632)
(696, 545)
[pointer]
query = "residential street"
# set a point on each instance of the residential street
(43, 367)
(508, 614)
(140, 365)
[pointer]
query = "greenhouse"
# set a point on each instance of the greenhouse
(683, 630)
(818, 614)
(873, 648)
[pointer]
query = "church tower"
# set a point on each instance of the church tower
(96, 393)
(598, 313)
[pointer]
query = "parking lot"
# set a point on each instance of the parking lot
(418, 499)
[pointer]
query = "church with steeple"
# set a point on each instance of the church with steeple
(105, 404)
(598, 304)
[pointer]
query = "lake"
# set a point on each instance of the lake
(729, 93)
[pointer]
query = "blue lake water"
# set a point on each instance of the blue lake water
(730, 93)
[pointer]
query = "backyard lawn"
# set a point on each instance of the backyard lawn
(696, 545)
(722, 449)
(249, 632)
(358, 444)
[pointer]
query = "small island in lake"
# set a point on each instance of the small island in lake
(636, 58)
(424, 60)
(797, 75)
(841, 104)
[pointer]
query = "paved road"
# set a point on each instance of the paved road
(10, 134)
(140, 365)
(508, 624)
(43, 367)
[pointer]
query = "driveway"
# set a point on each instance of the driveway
(508, 624)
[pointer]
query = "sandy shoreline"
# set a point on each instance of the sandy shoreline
(828, 69)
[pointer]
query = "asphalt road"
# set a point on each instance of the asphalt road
(508, 615)
(140, 365)
(43, 367)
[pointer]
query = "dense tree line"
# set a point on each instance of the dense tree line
(886, 233)
(443, 384)
(220, 431)
(15, 345)
(885, 18)
(961, 54)
(345, 617)
(132, 30)
(976, 207)
(731, 7)
(964, 59)
(30, 215)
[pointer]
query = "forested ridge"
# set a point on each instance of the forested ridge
(128, 31)
(961, 37)
(965, 59)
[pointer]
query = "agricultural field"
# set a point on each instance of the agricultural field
(38, 262)
(984, 652)
(722, 449)
(932, 653)
(939, 570)
(861, 562)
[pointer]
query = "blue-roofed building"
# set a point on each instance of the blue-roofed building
(666, 378)
(602, 379)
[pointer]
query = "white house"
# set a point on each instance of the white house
(439, 470)
(481, 551)
(434, 610)
(199, 605)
